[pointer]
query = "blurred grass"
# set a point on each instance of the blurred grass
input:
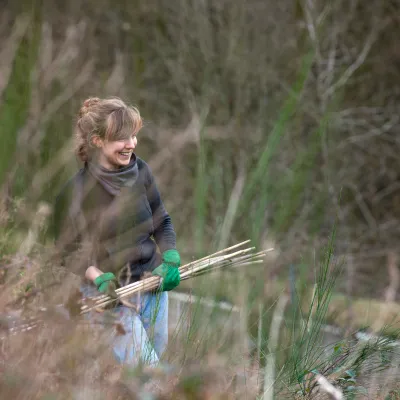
(201, 192)
(13, 112)
(210, 338)
(69, 361)
(258, 181)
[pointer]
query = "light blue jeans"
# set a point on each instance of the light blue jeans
(146, 331)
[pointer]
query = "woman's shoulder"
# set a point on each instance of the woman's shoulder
(142, 165)
(144, 169)
(72, 183)
(65, 199)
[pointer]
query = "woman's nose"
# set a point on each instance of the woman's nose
(131, 143)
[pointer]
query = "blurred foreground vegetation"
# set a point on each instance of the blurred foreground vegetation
(274, 121)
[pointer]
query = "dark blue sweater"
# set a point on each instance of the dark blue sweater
(115, 233)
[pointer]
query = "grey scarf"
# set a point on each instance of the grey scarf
(113, 181)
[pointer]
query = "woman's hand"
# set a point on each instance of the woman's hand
(105, 282)
(169, 270)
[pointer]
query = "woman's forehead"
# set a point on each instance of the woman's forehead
(123, 125)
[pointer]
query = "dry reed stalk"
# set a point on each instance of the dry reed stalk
(183, 269)
(195, 268)
(327, 387)
(239, 262)
(153, 282)
(217, 253)
(242, 264)
(199, 267)
(270, 364)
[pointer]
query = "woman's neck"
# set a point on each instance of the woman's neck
(104, 163)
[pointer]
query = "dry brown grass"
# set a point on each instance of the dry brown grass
(63, 357)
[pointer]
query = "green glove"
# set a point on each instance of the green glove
(107, 283)
(168, 270)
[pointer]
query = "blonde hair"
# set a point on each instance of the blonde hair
(110, 119)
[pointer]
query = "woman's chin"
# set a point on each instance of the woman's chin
(121, 163)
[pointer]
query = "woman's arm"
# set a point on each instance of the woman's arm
(105, 282)
(164, 233)
(69, 227)
(66, 239)
(92, 273)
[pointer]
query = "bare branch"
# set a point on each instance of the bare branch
(116, 79)
(357, 64)
(177, 140)
(46, 47)
(67, 53)
(277, 320)
(363, 206)
(39, 219)
(233, 205)
(394, 277)
(394, 187)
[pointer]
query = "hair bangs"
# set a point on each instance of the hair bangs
(123, 123)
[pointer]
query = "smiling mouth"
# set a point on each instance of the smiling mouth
(125, 154)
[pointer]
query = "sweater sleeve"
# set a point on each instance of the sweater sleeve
(66, 235)
(61, 219)
(164, 233)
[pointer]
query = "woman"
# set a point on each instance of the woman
(110, 220)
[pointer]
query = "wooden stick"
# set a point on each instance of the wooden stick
(153, 283)
(235, 264)
(242, 264)
(251, 258)
(205, 264)
(217, 253)
(182, 268)
(142, 286)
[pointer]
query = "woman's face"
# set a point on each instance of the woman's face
(116, 154)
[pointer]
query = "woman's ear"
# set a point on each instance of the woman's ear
(97, 141)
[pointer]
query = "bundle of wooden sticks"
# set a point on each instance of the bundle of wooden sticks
(229, 257)
(211, 263)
